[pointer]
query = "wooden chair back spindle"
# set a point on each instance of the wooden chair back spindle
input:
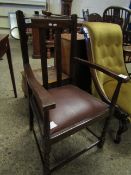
(43, 51)
(58, 57)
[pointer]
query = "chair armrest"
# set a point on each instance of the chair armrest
(42, 96)
(121, 78)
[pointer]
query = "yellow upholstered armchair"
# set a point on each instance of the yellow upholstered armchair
(106, 50)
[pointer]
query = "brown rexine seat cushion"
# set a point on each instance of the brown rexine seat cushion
(74, 106)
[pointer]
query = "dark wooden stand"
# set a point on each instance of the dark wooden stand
(65, 10)
(35, 43)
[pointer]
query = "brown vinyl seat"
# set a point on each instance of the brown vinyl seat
(79, 107)
(60, 109)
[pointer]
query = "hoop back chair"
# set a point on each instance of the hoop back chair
(61, 109)
(122, 17)
(107, 51)
(92, 17)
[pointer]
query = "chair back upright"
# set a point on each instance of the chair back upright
(44, 24)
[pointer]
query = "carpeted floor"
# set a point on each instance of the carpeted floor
(18, 152)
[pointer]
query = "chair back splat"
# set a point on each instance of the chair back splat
(58, 105)
(57, 26)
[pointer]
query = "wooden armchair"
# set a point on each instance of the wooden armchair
(60, 108)
(122, 17)
(107, 51)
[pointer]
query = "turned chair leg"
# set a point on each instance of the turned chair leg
(31, 114)
(46, 168)
(46, 156)
(31, 118)
(103, 135)
(122, 128)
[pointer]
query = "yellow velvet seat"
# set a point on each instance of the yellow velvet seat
(107, 51)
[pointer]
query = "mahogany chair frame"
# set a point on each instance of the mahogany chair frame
(40, 100)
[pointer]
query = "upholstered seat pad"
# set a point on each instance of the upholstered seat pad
(74, 106)
(124, 98)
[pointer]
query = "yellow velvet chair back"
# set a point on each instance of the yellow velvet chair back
(106, 47)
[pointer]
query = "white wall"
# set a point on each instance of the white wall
(96, 6)
(28, 10)
(55, 6)
(40, 2)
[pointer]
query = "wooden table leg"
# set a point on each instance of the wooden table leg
(8, 53)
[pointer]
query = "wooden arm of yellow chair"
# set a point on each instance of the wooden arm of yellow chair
(120, 77)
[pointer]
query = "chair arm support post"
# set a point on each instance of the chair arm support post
(116, 93)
